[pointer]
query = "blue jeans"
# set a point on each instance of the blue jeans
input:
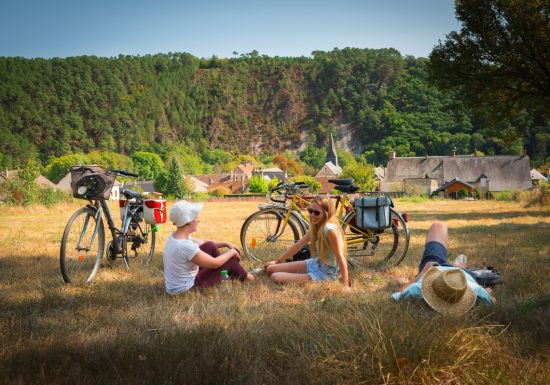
(436, 252)
(318, 271)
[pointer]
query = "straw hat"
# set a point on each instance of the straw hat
(184, 212)
(447, 291)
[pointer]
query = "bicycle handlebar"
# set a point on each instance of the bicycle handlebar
(124, 173)
(292, 188)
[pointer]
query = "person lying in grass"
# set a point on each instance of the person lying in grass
(448, 288)
(191, 263)
(327, 243)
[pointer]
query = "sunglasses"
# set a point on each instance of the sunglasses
(314, 212)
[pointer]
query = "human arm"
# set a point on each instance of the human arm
(229, 246)
(337, 245)
(491, 294)
(485, 295)
(291, 251)
(219, 244)
(206, 261)
(427, 267)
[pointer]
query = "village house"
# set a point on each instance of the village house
(537, 177)
(270, 173)
(197, 185)
(330, 169)
(236, 181)
(445, 175)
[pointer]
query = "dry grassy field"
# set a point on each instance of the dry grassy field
(124, 328)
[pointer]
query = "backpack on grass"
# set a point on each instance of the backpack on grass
(486, 276)
(302, 255)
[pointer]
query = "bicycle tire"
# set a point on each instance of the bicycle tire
(79, 262)
(142, 242)
(265, 237)
(376, 249)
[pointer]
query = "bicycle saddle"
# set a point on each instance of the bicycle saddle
(130, 193)
(347, 189)
(342, 182)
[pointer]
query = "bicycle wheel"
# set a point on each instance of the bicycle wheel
(265, 235)
(82, 246)
(376, 249)
(139, 243)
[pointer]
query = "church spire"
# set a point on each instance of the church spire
(331, 153)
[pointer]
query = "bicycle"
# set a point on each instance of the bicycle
(276, 226)
(83, 242)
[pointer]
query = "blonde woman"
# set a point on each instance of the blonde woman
(327, 244)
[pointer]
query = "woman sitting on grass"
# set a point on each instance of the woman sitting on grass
(184, 255)
(327, 243)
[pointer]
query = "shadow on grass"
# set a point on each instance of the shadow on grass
(338, 340)
(267, 343)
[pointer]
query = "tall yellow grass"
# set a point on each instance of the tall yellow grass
(124, 328)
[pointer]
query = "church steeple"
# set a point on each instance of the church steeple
(331, 153)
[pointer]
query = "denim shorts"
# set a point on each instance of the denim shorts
(319, 271)
(436, 252)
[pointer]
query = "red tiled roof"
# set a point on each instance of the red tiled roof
(246, 169)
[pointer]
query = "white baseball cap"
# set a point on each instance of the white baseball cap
(184, 212)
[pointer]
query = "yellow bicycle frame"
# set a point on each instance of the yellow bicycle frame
(344, 206)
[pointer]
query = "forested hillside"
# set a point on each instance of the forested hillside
(373, 101)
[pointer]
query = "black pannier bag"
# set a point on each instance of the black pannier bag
(373, 213)
(486, 276)
(91, 182)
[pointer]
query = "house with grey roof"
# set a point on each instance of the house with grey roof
(329, 169)
(537, 177)
(426, 174)
(271, 172)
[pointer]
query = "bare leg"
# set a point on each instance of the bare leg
(290, 272)
(282, 277)
(297, 267)
(438, 232)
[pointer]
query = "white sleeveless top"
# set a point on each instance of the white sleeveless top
(330, 258)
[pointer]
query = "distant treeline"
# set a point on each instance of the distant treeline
(251, 104)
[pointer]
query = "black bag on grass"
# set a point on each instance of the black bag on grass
(486, 276)
(303, 254)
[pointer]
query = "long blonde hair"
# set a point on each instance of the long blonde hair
(317, 232)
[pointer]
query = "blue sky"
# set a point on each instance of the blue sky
(61, 28)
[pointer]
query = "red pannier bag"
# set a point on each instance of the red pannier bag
(154, 211)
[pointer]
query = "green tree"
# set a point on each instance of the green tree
(312, 184)
(500, 59)
(57, 168)
(314, 156)
(147, 165)
(172, 182)
(111, 160)
(257, 184)
(363, 173)
(23, 190)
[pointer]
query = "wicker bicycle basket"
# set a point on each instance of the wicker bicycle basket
(91, 182)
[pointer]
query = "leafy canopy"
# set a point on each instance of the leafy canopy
(500, 59)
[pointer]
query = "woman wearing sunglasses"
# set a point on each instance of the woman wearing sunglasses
(327, 244)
